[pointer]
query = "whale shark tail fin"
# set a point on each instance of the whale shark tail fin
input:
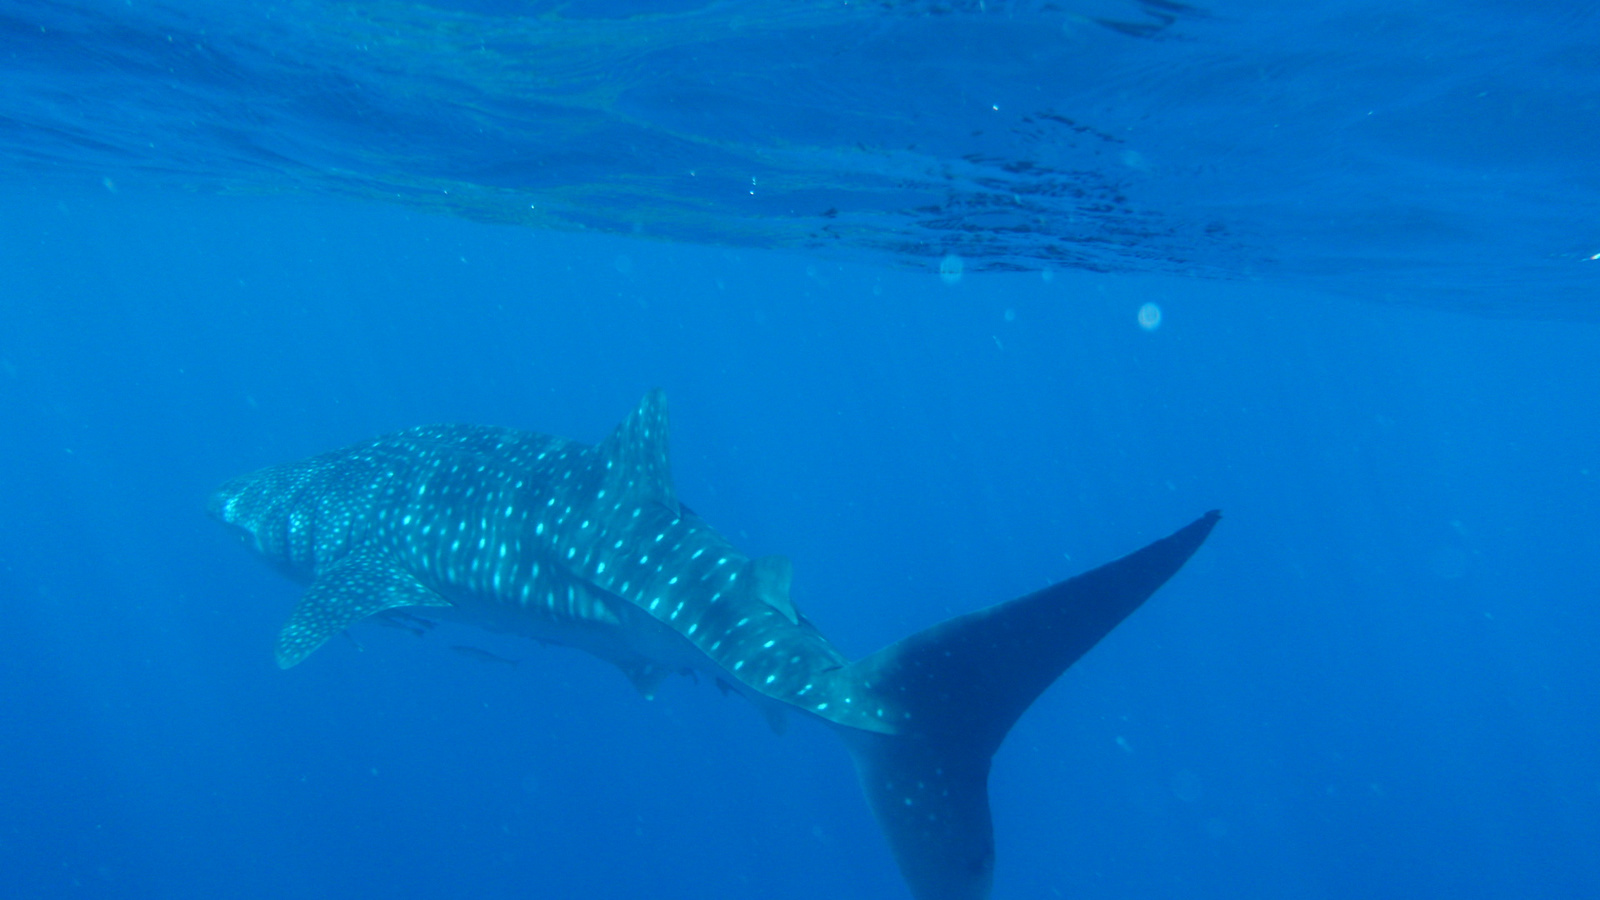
(958, 687)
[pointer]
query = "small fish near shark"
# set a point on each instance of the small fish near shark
(588, 546)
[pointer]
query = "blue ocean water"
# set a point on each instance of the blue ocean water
(888, 262)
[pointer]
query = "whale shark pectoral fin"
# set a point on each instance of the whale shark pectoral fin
(770, 577)
(351, 589)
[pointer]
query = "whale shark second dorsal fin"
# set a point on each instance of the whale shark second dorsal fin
(638, 466)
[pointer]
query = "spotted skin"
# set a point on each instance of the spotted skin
(581, 544)
(589, 546)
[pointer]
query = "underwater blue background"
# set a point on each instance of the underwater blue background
(1377, 677)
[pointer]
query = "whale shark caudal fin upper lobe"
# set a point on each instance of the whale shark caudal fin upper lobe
(964, 682)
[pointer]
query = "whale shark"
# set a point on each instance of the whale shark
(589, 546)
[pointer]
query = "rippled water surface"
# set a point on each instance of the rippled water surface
(1425, 152)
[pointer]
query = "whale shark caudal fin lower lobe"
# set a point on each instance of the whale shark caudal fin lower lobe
(964, 682)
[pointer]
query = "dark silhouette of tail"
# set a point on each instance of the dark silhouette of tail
(960, 686)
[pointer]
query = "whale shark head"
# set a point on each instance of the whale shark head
(264, 510)
(246, 504)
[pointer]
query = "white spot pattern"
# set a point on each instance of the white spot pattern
(467, 514)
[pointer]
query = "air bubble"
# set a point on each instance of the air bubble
(1149, 317)
(950, 269)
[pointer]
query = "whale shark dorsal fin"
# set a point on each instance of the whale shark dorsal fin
(770, 577)
(355, 587)
(638, 466)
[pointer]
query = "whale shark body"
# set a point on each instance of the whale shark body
(590, 547)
